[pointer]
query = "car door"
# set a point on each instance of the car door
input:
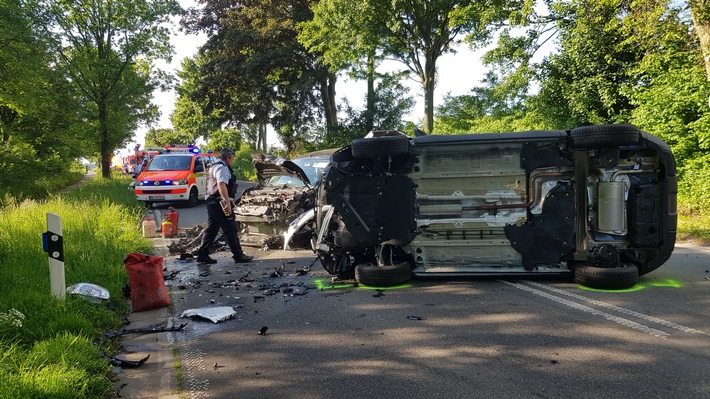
(200, 175)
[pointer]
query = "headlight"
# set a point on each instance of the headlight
(182, 182)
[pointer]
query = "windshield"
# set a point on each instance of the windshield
(312, 167)
(170, 162)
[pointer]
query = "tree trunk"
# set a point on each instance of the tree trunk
(261, 139)
(429, 83)
(700, 11)
(328, 95)
(7, 117)
(370, 106)
(106, 150)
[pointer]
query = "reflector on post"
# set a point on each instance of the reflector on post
(53, 244)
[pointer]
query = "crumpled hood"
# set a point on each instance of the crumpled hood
(267, 166)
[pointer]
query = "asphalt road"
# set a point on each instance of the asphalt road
(463, 338)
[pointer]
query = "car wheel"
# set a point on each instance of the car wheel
(380, 146)
(194, 197)
(383, 276)
(600, 136)
(607, 278)
(148, 204)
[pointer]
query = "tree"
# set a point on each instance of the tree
(256, 72)
(700, 11)
(343, 36)
(391, 103)
(163, 136)
(415, 33)
(24, 62)
(485, 109)
(107, 47)
(225, 138)
(189, 118)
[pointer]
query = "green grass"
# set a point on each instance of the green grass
(693, 226)
(38, 185)
(46, 348)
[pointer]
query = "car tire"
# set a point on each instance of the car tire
(612, 278)
(194, 198)
(380, 146)
(148, 204)
(383, 276)
(601, 136)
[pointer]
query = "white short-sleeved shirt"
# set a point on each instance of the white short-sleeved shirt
(221, 173)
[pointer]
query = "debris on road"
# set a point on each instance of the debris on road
(144, 330)
(262, 331)
(214, 314)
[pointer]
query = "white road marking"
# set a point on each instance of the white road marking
(619, 309)
(584, 308)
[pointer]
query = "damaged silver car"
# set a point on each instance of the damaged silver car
(596, 203)
(285, 190)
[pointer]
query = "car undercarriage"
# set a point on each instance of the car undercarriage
(596, 203)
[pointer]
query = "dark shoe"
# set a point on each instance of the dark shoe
(242, 258)
(206, 259)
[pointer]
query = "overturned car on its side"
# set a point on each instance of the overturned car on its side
(285, 190)
(597, 203)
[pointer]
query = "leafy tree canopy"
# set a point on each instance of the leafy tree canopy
(107, 49)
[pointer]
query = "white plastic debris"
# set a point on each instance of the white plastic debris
(90, 291)
(214, 314)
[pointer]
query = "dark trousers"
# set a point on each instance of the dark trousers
(216, 219)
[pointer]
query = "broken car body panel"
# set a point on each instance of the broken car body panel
(284, 193)
(511, 203)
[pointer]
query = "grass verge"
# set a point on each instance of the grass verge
(46, 348)
(694, 227)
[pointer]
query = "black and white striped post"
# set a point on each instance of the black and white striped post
(53, 244)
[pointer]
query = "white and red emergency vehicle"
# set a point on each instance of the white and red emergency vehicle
(179, 174)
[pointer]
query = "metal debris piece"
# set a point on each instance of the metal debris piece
(278, 272)
(214, 314)
(297, 290)
(92, 292)
(117, 333)
(171, 275)
(125, 363)
(192, 240)
(414, 318)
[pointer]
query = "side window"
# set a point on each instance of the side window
(199, 167)
(209, 160)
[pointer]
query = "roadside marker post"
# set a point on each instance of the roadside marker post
(53, 244)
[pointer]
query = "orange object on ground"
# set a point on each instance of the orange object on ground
(147, 282)
(173, 215)
(166, 228)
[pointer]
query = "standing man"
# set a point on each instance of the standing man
(221, 188)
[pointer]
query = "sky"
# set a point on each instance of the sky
(457, 73)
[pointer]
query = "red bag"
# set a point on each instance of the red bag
(147, 282)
